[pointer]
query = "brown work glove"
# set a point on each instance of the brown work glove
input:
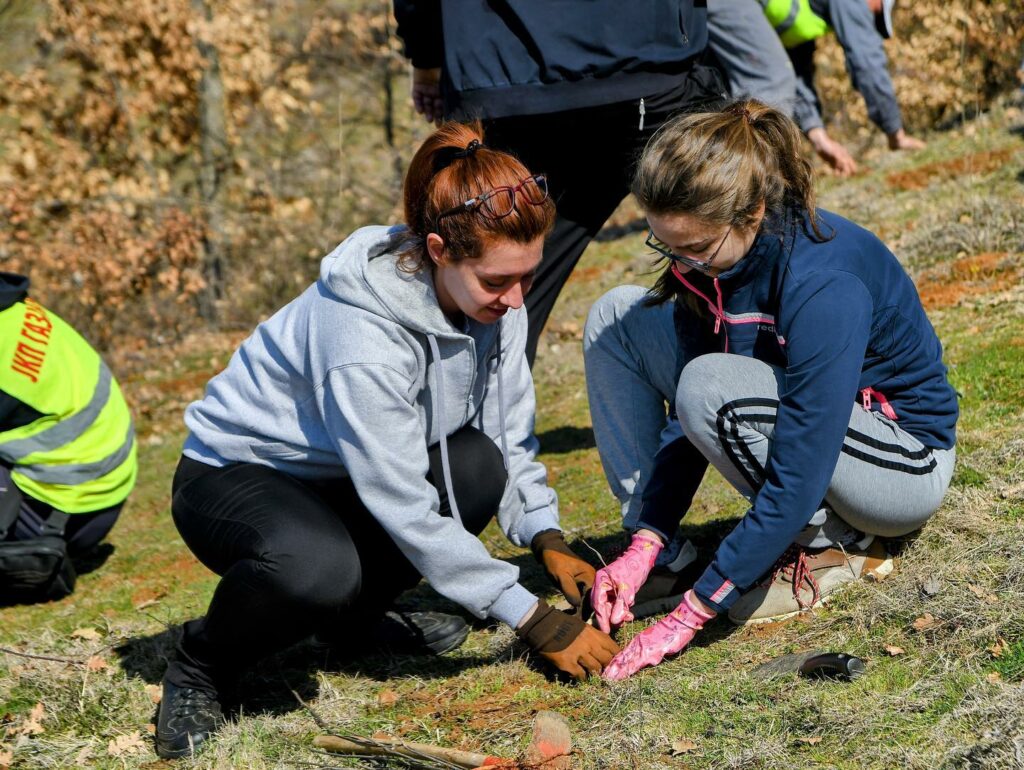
(567, 642)
(573, 576)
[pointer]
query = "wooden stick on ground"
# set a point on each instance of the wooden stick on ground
(408, 749)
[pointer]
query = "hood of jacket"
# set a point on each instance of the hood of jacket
(362, 272)
(13, 288)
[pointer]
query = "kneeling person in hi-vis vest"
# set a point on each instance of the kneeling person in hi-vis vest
(67, 448)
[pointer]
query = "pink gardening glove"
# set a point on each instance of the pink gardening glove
(666, 637)
(615, 586)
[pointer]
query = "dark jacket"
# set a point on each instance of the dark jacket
(527, 57)
(838, 316)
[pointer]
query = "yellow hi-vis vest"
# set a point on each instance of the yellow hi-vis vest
(794, 21)
(80, 455)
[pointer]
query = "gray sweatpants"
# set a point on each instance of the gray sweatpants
(886, 483)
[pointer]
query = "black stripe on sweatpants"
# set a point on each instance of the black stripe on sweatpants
(910, 454)
(734, 429)
(880, 462)
(913, 470)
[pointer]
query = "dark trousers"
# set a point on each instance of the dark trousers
(82, 532)
(589, 156)
(296, 556)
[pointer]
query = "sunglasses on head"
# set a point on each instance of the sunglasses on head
(501, 201)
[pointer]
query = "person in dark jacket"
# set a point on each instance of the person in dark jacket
(575, 90)
(798, 361)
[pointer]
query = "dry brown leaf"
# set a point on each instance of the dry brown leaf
(810, 740)
(388, 698)
(127, 745)
(97, 663)
(893, 650)
(83, 756)
(981, 593)
(89, 634)
(682, 746)
(925, 622)
(33, 724)
(994, 677)
(998, 648)
(155, 692)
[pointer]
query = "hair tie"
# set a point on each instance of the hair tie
(447, 155)
(470, 151)
(742, 112)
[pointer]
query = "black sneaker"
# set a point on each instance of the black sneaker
(187, 719)
(666, 585)
(401, 633)
(420, 633)
(662, 592)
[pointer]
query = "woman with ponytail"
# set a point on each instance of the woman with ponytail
(794, 355)
(364, 435)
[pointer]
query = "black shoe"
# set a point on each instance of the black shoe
(420, 633)
(187, 719)
(662, 592)
(399, 632)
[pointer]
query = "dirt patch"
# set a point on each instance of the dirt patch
(974, 163)
(980, 274)
(479, 714)
(587, 274)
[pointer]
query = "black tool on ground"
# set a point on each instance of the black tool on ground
(817, 664)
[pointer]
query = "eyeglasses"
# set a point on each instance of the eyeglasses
(652, 242)
(501, 201)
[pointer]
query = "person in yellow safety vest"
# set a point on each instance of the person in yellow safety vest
(859, 27)
(67, 448)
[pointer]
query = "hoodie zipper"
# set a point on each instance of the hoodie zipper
(717, 308)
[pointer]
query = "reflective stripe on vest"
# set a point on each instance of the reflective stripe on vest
(63, 432)
(794, 21)
(72, 475)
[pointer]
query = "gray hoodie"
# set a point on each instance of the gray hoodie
(343, 381)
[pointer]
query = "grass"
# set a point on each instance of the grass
(944, 664)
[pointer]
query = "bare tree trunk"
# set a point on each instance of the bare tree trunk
(215, 159)
(388, 77)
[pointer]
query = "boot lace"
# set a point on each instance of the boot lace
(190, 700)
(793, 565)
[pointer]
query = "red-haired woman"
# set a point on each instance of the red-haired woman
(364, 435)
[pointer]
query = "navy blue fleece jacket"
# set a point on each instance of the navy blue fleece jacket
(534, 56)
(838, 316)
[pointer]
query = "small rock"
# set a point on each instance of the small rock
(931, 586)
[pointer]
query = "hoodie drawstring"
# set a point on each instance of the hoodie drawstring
(439, 408)
(446, 467)
(501, 406)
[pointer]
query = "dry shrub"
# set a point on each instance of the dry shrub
(948, 58)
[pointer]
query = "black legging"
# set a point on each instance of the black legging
(297, 555)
